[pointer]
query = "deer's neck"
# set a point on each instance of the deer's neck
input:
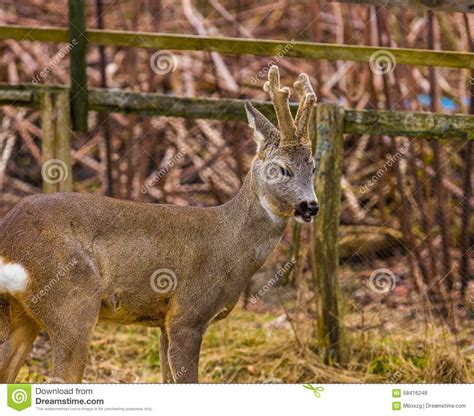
(254, 229)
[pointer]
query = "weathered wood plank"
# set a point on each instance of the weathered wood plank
(329, 132)
(226, 45)
(397, 123)
(34, 33)
(63, 140)
(462, 6)
(409, 124)
(391, 123)
(78, 64)
(56, 169)
(47, 120)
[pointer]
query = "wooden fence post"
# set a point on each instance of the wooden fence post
(78, 45)
(56, 169)
(327, 132)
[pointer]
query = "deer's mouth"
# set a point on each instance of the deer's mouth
(305, 211)
(302, 218)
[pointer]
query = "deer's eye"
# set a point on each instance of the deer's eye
(285, 172)
(314, 171)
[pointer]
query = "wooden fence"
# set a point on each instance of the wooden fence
(328, 124)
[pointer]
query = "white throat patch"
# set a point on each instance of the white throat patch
(13, 277)
(266, 206)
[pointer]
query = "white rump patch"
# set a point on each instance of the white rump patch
(13, 277)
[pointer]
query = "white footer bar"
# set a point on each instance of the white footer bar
(237, 399)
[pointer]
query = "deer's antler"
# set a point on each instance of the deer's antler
(308, 98)
(279, 97)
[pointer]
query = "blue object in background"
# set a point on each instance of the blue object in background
(447, 104)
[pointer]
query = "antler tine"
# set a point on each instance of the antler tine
(308, 98)
(280, 97)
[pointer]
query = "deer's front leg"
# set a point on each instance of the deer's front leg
(183, 352)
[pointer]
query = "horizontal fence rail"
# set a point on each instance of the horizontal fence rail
(390, 123)
(227, 45)
(462, 6)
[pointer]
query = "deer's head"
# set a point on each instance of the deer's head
(283, 168)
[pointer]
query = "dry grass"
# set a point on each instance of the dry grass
(255, 347)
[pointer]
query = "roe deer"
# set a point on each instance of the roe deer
(68, 260)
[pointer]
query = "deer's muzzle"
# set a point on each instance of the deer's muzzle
(306, 210)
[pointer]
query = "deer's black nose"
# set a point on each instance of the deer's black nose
(313, 207)
(306, 210)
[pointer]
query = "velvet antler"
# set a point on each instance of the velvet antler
(308, 98)
(279, 97)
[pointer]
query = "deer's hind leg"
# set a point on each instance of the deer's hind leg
(70, 329)
(17, 334)
(69, 311)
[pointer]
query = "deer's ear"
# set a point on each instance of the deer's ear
(265, 134)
